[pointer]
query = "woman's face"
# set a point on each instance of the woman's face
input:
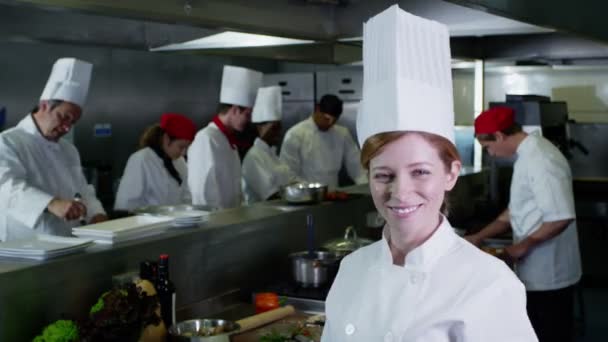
(408, 181)
(175, 148)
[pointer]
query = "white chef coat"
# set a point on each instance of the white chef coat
(448, 290)
(263, 172)
(34, 170)
(317, 156)
(541, 191)
(214, 170)
(146, 181)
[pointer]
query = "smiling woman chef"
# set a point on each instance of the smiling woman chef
(421, 282)
(40, 173)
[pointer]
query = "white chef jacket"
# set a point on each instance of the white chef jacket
(263, 172)
(146, 181)
(214, 170)
(317, 156)
(541, 191)
(448, 290)
(34, 170)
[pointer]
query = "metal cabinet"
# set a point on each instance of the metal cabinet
(347, 85)
(294, 86)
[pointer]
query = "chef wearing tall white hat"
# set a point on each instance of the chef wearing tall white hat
(42, 187)
(263, 172)
(214, 163)
(421, 282)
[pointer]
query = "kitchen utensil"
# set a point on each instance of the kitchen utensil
(298, 193)
(169, 210)
(203, 330)
(313, 271)
(310, 235)
(348, 244)
(264, 318)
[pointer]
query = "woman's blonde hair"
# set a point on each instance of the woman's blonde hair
(446, 149)
(152, 137)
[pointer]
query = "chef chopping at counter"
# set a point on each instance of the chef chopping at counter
(263, 172)
(42, 186)
(421, 282)
(214, 165)
(157, 174)
(542, 217)
(316, 148)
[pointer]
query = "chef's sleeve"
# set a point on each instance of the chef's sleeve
(258, 177)
(182, 167)
(24, 202)
(132, 185)
(352, 160)
(498, 314)
(87, 191)
(551, 185)
(290, 152)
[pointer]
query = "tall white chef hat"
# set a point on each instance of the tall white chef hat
(407, 79)
(268, 105)
(69, 81)
(239, 86)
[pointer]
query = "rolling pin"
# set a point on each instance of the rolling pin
(258, 320)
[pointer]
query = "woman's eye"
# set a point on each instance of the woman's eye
(383, 177)
(421, 172)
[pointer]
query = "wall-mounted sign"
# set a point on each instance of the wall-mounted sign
(102, 130)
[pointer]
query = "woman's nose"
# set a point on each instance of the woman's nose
(400, 187)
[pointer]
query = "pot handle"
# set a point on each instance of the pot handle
(350, 230)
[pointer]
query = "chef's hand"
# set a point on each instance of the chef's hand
(98, 218)
(517, 251)
(67, 209)
(474, 239)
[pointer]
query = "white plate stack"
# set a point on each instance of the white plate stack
(43, 247)
(187, 218)
(124, 229)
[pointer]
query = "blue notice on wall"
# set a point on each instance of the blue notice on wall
(102, 130)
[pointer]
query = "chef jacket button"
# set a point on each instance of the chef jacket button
(388, 337)
(350, 329)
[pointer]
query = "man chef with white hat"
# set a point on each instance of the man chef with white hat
(263, 172)
(421, 282)
(214, 163)
(316, 148)
(42, 187)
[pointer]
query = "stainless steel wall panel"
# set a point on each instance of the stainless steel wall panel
(295, 86)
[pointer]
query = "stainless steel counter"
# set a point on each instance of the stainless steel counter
(244, 247)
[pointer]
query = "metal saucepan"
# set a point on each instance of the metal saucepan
(298, 193)
(203, 330)
(314, 269)
(350, 243)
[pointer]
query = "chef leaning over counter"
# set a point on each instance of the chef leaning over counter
(157, 174)
(214, 165)
(316, 148)
(421, 282)
(541, 214)
(263, 172)
(42, 186)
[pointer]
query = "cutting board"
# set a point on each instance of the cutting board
(282, 325)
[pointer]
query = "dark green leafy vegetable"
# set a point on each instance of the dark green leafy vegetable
(60, 331)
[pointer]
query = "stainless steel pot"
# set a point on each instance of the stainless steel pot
(347, 245)
(313, 270)
(203, 330)
(298, 193)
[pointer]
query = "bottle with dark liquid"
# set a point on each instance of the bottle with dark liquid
(166, 291)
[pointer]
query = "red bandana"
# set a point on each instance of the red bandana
(229, 135)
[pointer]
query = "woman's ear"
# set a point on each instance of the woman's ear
(452, 175)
